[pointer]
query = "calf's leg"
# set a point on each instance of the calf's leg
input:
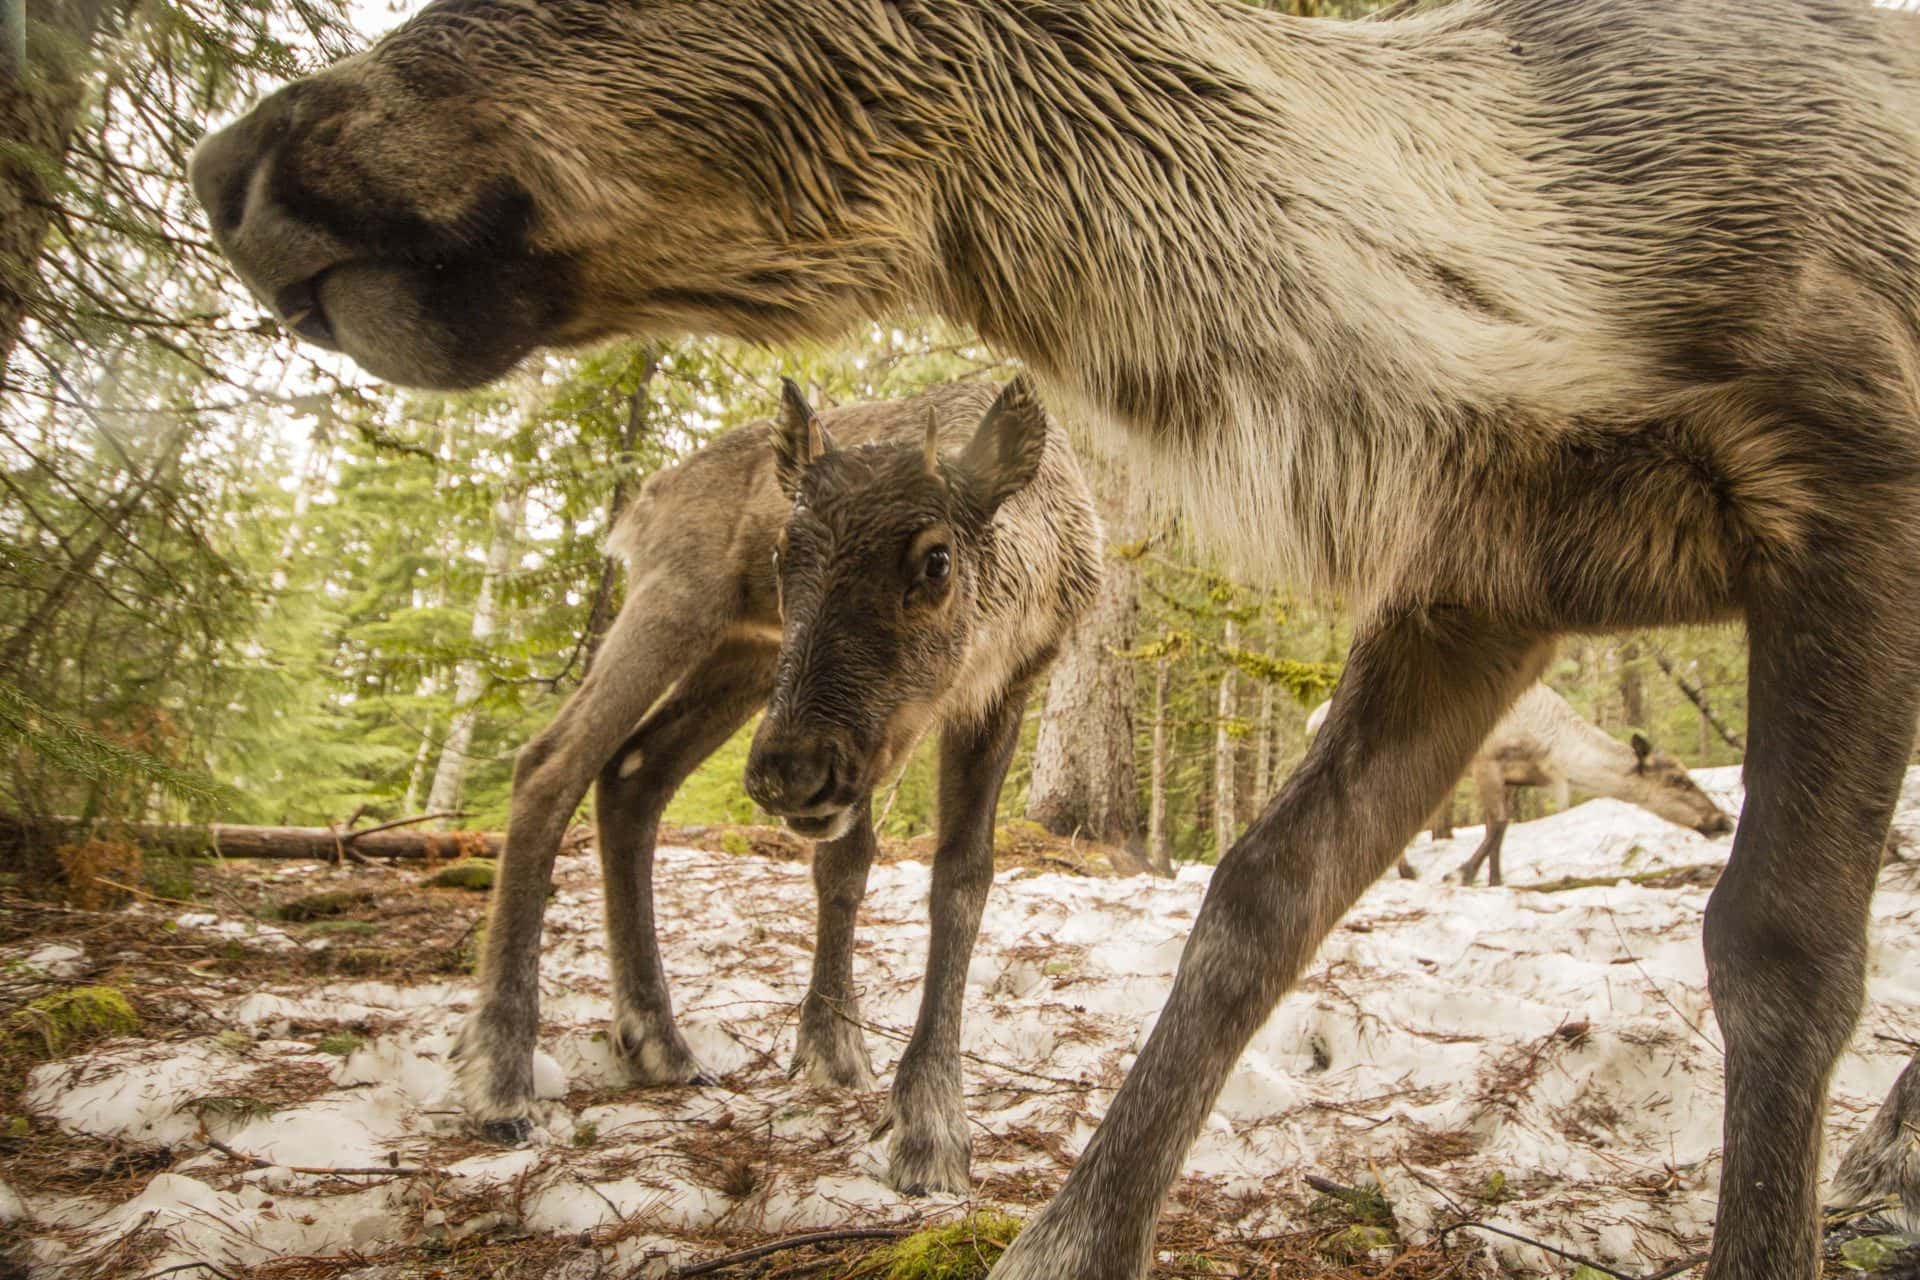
(831, 1049)
(635, 786)
(1420, 693)
(1834, 683)
(661, 630)
(929, 1151)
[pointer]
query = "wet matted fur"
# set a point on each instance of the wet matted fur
(1497, 318)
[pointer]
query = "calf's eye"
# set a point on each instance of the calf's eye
(939, 564)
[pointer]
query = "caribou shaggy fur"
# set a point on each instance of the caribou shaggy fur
(1497, 318)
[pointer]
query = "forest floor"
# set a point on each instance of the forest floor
(1540, 1060)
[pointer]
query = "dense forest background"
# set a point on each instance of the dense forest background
(240, 581)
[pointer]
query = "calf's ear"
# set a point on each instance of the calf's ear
(1004, 454)
(799, 439)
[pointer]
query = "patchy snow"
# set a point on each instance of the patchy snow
(1548, 1058)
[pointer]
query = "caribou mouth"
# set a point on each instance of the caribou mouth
(829, 826)
(298, 306)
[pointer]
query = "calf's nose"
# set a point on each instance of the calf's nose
(789, 779)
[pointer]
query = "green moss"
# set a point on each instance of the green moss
(1873, 1253)
(736, 843)
(474, 873)
(341, 1043)
(67, 1019)
(318, 906)
(355, 927)
(474, 947)
(234, 1041)
(1356, 1243)
(963, 1250)
(586, 1133)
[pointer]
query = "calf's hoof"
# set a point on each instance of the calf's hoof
(655, 1053)
(929, 1154)
(832, 1053)
(516, 1131)
(493, 1082)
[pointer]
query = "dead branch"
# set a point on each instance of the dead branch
(1697, 696)
(726, 1260)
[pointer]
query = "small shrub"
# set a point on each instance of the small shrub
(586, 1133)
(89, 866)
(475, 874)
(341, 1043)
(67, 1019)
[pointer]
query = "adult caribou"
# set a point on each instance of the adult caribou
(1498, 318)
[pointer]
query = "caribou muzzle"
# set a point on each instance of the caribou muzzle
(806, 780)
(434, 288)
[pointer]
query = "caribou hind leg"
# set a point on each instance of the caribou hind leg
(634, 788)
(1419, 695)
(929, 1151)
(660, 631)
(1493, 808)
(831, 1050)
(1834, 686)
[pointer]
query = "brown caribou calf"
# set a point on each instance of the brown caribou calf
(920, 590)
(702, 625)
(1543, 742)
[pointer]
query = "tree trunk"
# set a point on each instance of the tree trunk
(1083, 768)
(1266, 746)
(1633, 687)
(1159, 855)
(38, 112)
(600, 617)
(1226, 708)
(470, 675)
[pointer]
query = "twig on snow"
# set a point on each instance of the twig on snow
(329, 1171)
(726, 1260)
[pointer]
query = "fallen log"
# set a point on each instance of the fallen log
(228, 840)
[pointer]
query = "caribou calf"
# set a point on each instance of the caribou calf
(1543, 742)
(696, 650)
(919, 590)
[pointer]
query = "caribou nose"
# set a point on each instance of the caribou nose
(1718, 825)
(791, 780)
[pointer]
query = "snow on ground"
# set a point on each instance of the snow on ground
(1546, 1058)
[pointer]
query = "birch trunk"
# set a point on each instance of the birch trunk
(469, 680)
(1225, 709)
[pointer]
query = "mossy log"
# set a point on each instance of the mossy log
(227, 840)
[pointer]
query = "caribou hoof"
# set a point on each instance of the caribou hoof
(929, 1153)
(656, 1055)
(514, 1131)
(831, 1053)
(493, 1081)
